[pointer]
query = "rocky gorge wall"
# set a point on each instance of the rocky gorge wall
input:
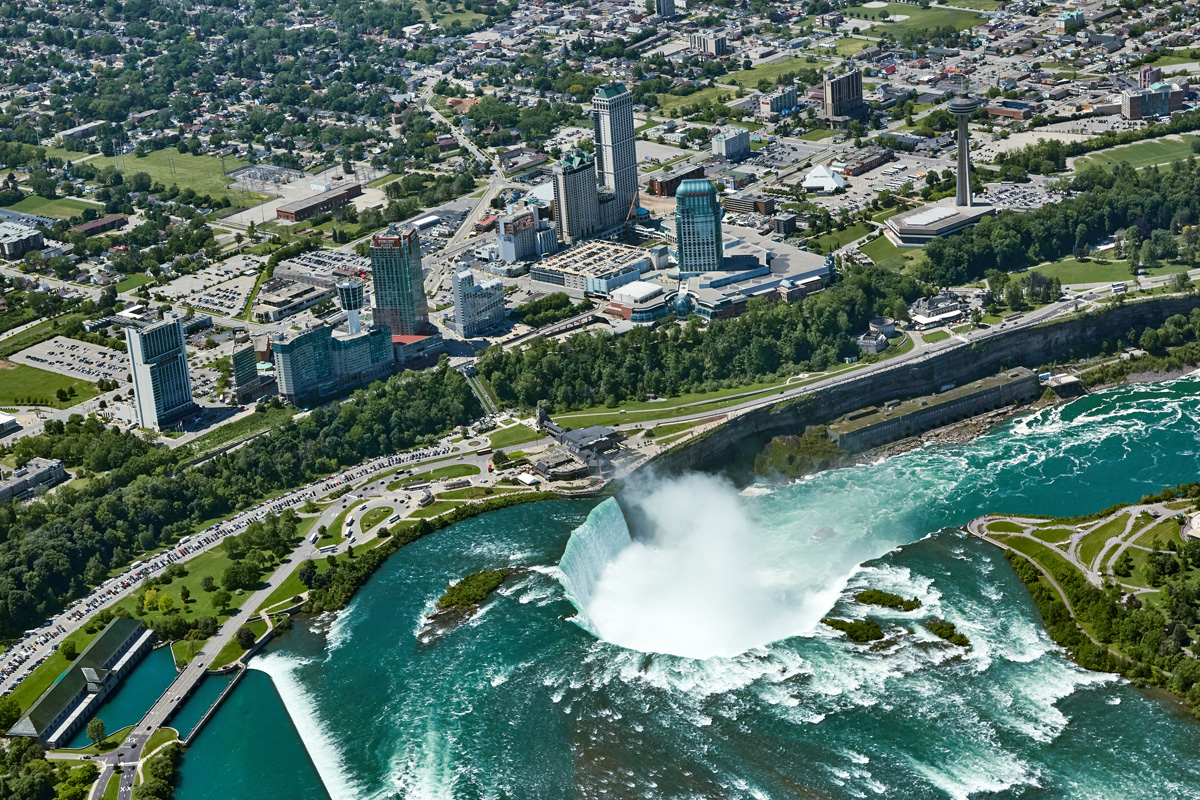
(1029, 347)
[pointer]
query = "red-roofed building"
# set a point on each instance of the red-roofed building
(416, 346)
(101, 225)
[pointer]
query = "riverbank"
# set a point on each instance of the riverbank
(1114, 589)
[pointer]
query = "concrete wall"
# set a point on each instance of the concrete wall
(1029, 347)
(1024, 389)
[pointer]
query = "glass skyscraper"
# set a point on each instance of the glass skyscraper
(162, 388)
(698, 227)
(400, 302)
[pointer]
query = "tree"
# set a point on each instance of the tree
(165, 603)
(221, 600)
(69, 651)
(307, 572)
(150, 598)
(10, 712)
(207, 583)
(244, 637)
(185, 594)
(95, 730)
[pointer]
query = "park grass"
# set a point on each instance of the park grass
(204, 174)
(160, 737)
(772, 71)
(919, 19)
(816, 135)
(47, 329)
(1046, 556)
(889, 256)
(242, 428)
(66, 154)
(516, 434)
(1073, 271)
(845, 47)
(375, 516)
(448, 471)
(184, 651)
(1094, 542)
(668, 102)
(21, 384)
(1004, 526)
(232, 651)
(935, 336)
(834, 240)
(58, 207)
(292, 587)
(1166, 150)
(1167, 530)
(468, 19)
(979, 5)
(110, 742)
(133, 281)
(476, 492)
(435, 508)
(44, 675)
(668, 430)
(1052, 535)
(212, 564)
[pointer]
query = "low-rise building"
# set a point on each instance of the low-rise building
(593, 267)
(1159, 100)
(17, 240)
(299, 210)
(101, 225)
(64, 708)
(280, 298)
(666, 183)
(35, 474)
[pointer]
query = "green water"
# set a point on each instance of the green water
(135, 695)
(201, 700)
(523, 702)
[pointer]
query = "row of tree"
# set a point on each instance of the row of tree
(51, 550)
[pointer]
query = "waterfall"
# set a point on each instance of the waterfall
(591, 548)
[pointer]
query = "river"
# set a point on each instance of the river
(746, 695)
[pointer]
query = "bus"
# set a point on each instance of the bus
(313, 539)
(328, 549)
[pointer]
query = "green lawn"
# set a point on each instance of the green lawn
(1072, 271)
(835, 239)
(232, 651)
(714, 93)
(185, 651)
(1004, 526)
(981, 5)
(771, 71)
(888, 255)
(110, 742)
(816, 135)
(918, 19)
(134, 281)
(58, 208)
(435, 508)
(1094, 542)
(200, 604)
(1142, 154)
(22, 385)
(516, 434)
(1044, 555)
(668, 430)
(1166, 531)
(449, 471)
(846, 47)
(375, 516)
(1052, 535)
(203, 174)
(159, 738)
(475, 492)
(935, 336)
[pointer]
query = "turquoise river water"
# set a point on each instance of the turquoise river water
(691, 663)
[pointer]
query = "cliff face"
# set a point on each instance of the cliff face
(1028, 347)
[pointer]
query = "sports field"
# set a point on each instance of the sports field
(916, 18)
(1143, 154)
(22, 385)
(58, 208)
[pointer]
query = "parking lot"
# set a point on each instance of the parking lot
(187, 285)
(227, 299)
(76, 359)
